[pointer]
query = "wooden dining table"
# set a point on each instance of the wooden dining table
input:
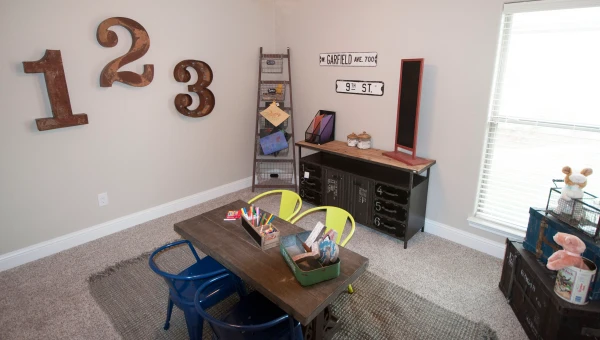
(266, 270)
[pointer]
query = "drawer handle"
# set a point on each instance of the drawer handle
(381, 191)
(309, 197)
(378, 222)
(379, 207)
(310, 170)
(310, 183)
(388, 227)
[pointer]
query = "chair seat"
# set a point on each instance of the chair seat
(254, 309)
(187, 289)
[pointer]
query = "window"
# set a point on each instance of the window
(544, 110)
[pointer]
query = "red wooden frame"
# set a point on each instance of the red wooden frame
(411, 158)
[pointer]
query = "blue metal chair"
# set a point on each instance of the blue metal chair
(254, 317)
(183, 287)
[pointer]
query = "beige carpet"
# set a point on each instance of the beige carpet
(134, 298)
(50, 298)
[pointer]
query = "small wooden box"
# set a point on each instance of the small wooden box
(264, 242)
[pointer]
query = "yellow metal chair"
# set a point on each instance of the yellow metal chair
(335, 219)
(289, 206)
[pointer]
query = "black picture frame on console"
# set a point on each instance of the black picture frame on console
(407, 122)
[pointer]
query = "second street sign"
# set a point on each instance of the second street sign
(371, 88)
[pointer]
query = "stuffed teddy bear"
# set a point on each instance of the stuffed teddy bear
(574, 184)
(570, 255)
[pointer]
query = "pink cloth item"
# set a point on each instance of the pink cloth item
(570, 255)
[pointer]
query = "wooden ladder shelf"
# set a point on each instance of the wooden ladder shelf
(275, 170)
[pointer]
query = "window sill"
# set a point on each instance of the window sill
(495, 228)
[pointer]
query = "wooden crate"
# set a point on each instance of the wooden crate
(529, 288)
(264, 242)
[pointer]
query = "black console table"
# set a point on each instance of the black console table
(379, 192)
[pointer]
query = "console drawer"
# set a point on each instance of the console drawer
(310, 196)
(310, 169)
(311, 183)
(389, 209)
(390, 193)
(388, 225)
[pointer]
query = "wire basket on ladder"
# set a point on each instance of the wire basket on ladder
(272, 63)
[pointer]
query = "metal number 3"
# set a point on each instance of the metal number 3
(205, 77)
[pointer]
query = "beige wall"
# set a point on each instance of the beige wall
(143, 153)
(137, 147)
(458, 40)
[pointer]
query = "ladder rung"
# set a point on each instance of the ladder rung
(267, 56)
(274, 82)
(275, 186)
(262, 160)
(260, 109)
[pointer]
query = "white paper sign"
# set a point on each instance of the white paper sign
(349, 59)
(370, 88)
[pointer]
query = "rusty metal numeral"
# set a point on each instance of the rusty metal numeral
(140, 44)
(205, 77)
(62, 116)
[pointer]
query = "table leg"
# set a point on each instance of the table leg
(323, 326)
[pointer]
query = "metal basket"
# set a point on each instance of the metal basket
(580, 213)
(272, 63)
(275, 91)
(274, 172)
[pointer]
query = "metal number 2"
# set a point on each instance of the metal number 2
(205, 77)
(140, 44)
(56, 83)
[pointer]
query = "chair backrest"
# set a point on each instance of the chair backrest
(290, 203)
(179, 283)
(224, 330)
(335, 219)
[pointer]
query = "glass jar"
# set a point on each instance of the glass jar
(364, 141)
(352, 139)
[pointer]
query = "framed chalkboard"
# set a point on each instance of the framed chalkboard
(407, 122)
(408, 103)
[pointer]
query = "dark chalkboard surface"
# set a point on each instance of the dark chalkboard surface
(408, 102)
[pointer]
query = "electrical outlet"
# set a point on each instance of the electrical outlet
(102, 199)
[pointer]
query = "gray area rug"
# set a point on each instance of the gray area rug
(135, 300)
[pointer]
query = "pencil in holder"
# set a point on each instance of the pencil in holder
(263, 239)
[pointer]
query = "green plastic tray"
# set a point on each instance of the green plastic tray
(293, 244)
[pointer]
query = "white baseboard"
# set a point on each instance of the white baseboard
(465, 238)
(55, 245)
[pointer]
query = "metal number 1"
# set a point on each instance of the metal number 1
(62, 116)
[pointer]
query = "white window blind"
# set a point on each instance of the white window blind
(545, 108)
